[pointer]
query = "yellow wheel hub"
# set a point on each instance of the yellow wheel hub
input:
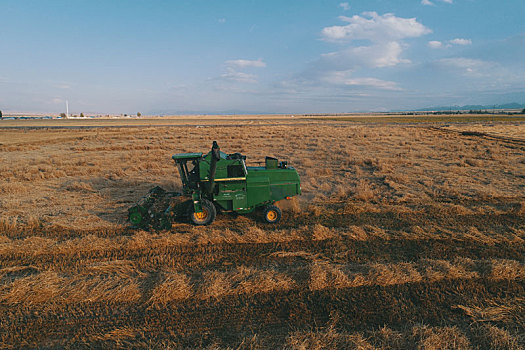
(271, 215)
(202, 215)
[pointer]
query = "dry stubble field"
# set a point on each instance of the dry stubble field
(406, 236)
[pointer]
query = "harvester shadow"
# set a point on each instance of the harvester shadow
(119, 194)
(116, 195)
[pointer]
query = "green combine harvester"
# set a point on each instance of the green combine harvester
(218, 181)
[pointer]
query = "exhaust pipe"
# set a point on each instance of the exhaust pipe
(215, 157)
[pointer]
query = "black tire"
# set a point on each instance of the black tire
(209, 211)
(272, 214)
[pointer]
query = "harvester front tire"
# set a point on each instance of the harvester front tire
(135, 219)
(272, 214)
(207, 215)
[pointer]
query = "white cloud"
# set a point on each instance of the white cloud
(373, 82)
(373, 56)
(435, 44)
(384, 31)
(430, 3)
(374, 27)
(438, 44)
(345, 6)
(462, 62)
(57, 101)
(63, 86)
(246, 63)
(345, 78)
(469, 66)
(240, 77)
(350, 67)
(221, 20)
(234, 70)
(459, 41)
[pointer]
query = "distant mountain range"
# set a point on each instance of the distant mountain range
(512, 105)
(165, 112)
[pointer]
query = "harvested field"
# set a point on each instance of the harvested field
(407, 236)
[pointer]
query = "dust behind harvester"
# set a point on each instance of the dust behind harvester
(218, 181)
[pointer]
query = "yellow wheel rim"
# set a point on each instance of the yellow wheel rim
(271, 215)
(202, 215)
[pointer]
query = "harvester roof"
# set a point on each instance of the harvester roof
(194, 155)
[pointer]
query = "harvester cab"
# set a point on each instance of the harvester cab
(218, 181)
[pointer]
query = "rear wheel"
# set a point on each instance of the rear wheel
(206, 216)
(272, 214)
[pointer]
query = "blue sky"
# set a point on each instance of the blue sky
(294, 56)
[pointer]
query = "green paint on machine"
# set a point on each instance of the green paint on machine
(219, 181)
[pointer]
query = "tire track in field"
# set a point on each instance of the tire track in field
(487, 136)
(204, 322)
(336, 215)
(217, 256)
(339, 217)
